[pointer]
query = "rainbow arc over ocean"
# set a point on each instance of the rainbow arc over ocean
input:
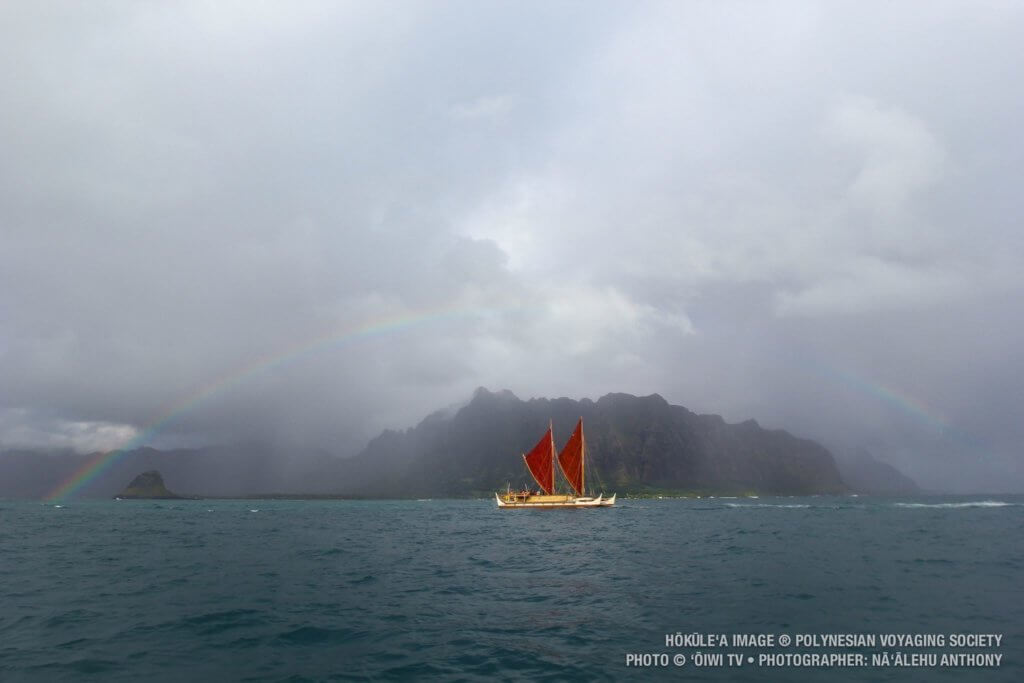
(901, 401)
(399, 323)
(393, 324)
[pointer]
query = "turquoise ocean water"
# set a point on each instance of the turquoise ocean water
(458, 590)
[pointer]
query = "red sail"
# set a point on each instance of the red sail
(540, 462)
(571, 459)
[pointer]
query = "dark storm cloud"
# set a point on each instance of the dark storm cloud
(800, 213)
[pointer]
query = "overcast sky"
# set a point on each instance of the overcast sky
(804, 213)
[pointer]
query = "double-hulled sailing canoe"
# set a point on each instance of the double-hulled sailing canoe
(540, 462)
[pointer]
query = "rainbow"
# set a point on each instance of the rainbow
(267, 362)
(398, 323)
(902, 401)
(899, 400)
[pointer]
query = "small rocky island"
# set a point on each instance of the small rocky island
(147, 485)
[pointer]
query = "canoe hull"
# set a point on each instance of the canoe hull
(552, 502)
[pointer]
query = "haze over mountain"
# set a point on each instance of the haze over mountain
(634, 444)
(864, 473)
(148, 485)
(298, 224)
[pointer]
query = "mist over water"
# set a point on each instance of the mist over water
(337, 590)
(261, 236)
(302, 224)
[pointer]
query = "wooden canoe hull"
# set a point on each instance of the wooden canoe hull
(552, 502)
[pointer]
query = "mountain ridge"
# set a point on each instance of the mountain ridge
(636, 445)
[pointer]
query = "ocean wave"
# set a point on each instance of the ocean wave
(311, 635)
(363, 590)
(767, 505)
(969, 504)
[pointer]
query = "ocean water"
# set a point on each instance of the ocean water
(458, 590)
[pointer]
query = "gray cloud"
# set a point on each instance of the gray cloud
(801, 213)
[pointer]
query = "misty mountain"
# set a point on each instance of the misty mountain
(148, 485)
(634, 444)
(213, 471)
(866, 474)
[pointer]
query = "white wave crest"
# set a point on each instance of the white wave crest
(764, 505)
(969, 504)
